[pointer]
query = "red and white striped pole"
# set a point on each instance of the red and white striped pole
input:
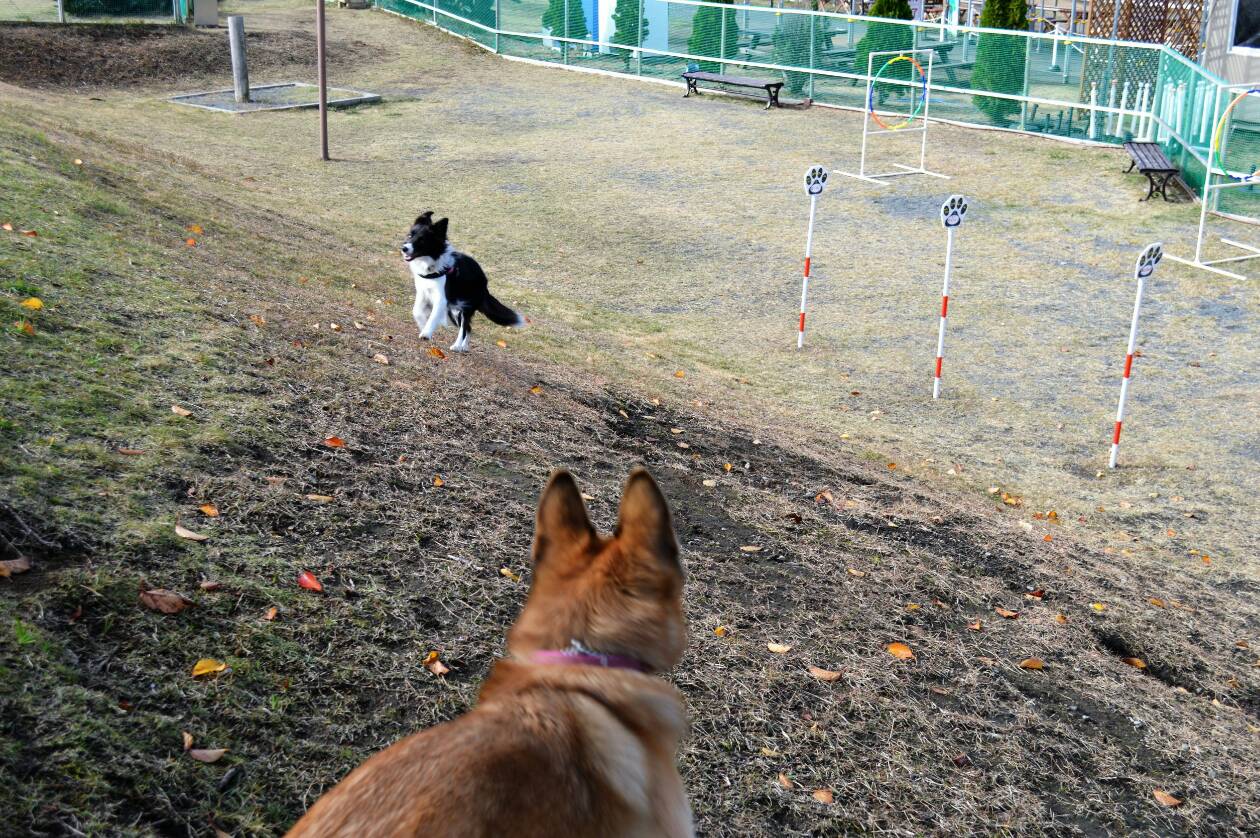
(815, 180)
(1145, 268)
(953, 211)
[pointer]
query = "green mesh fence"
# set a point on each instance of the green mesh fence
(46, 11)
(1049, 83)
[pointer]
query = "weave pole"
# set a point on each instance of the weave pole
(1145, 268)
(815, 180)
(953, 211)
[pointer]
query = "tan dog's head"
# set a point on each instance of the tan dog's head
(618, 595)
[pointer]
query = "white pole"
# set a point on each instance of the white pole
(1145, 267)
(927, 109)
(952, 213)
(1093, 114)
(815, 181)
(1111, 103)
(61, 11)
(1144, 91)
(1180, 110)
(1124, 107)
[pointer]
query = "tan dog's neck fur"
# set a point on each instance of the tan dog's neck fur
(553, 749)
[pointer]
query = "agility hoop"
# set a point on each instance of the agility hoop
(1210, 198)
(870, 95)
(916, 122)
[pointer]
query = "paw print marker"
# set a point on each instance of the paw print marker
(1150, 257)
(953, 211)
(815, 180)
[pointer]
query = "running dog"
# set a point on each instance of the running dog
(450, 286)
(572, 735)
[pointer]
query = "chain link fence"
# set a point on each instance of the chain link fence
(95, 11)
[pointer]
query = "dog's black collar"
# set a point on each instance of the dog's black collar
(451, 269)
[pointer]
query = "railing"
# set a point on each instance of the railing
(1051, 83)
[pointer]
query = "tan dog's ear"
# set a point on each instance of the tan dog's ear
(562, 520)
(644, 521)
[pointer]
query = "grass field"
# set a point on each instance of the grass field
(644, 235)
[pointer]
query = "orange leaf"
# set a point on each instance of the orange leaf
(1032, 663)
(824, 796)
(12, 567)
(1047, 537)
(334, 442)
(168, 602)
(7, 227)
(180, 411)
(536, 389)
(195, 228)
(258, 320)
(183, 532)
(1136, 663)
(825, 674)
(33, 303)
(271, 614)
(190, 242)
(209, 510)
(1158, 603)
(913, 606)
(381, 358)
(207, 754)
(434, 665)
(900, 651)
(679, 374)
(438, 481)
(1061, 619)
(727, 467)
(130, 452)
(1007, 613)
(892, 466)
(188, 739)
(507, 573)
(784, 781)
(208, 666)
(307, 580)
(975, 626)
(30, 234)
(436, 353)
(721, 631)
(502, 344)
(26, 327)
(1166, 799)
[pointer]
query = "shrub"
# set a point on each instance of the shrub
(553, 19)
(791, 49)
(706, 35)
(882, 37)
(630, 26)
(1000, 59)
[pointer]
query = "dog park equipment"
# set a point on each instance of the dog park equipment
(953, 211)
(1229, 179)
(240, 71)
(1144, 269)
(919, 90)
(815, 181)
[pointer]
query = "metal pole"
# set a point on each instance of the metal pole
(498, 22)
(240, 71)
(1146, 267)
(940, 335)
(61, 11)
(809, 246)
(320, 56)
(812, 20)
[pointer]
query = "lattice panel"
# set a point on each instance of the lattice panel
(1176, 23)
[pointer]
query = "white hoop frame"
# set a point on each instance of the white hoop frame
(867, 131)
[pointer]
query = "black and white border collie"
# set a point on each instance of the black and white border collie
(450, 286)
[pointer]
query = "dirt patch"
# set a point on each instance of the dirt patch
(129, 55)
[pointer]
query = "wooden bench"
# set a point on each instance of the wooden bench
(771, 87)
(1151, 161)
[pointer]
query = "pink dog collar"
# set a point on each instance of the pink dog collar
(579, 655)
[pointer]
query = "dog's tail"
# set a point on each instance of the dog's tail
(501, 314)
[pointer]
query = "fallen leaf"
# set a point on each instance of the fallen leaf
(1032, 663)
(784, 781)
(12, 567)
(1205, 558)
(709, 483)
(825, 674)
(207, 754)
(679, 374)
(307, 580)
(336, 327)
(502, 344)
(7, 227)
(1098, 606)
(184, 532)
(769, 752)
(855, 572)
(779, 648)
(1047, 537)
(507, 573)
(434, 665)
(167, 602)
(258, 320)
(1166, 799)
(1061, 619)
(892, 466)
(207, 585)
(750, 548)
(381, 358)
(1156, 601)
(188, 740)
(195, 229)
(975, 626)
(436, 353)
(900, 651)
(26, 327)
(913, 606)
(320, 498)
(536, 390)
(1136, 663)
(30, 234)
(130, 452)
(727, 467)
(824, 796)
(1038, 594)
(438, 481)
(1007, 613)
(683, 445)
(962, 761)
(190, 242)
(334, 442)
(180, 411)
(33, 303)
(721, 631)
(208, 666)
(271, 614)
(359, 325)
(209, 510)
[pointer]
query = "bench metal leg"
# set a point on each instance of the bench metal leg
(1132, 163)
(1151, 178)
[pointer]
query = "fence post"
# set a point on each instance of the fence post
(639, 40)
(498, 22)
(564, 45)
(722, 44)
(1023, 106)
(61, 11)
(813, 19)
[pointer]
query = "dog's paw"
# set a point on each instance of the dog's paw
(1149, 259)
(953, 211)
(458, 347)
(815, 180)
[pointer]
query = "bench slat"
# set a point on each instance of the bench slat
(1149, 157)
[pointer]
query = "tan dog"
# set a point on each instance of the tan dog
(572, 736)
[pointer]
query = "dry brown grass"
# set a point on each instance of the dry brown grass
(601, 248)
